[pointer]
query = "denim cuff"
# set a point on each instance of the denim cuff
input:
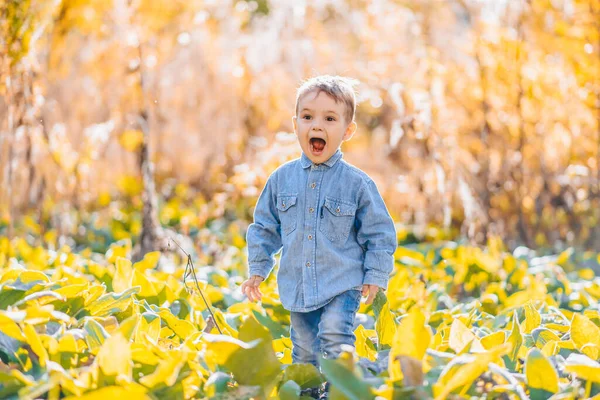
(260, 269)
(374, 278)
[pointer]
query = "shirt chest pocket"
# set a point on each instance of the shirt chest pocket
(288, 212)
(337, 217)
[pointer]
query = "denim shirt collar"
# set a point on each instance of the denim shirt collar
(306, 162)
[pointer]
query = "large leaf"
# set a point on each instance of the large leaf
(114, 357)
(123, 275)
(541, 376)
(586, 336)
(306, 375)
(167, 371)
(385, 325)
(290, 390)
(464, 370)
(344, 380)
(515, 339)
(96, 335)
(412, 339)
(257, 365)
(112, 303)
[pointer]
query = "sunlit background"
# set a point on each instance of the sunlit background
(475, 117)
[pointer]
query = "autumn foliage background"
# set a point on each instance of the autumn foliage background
(477, 116)
(124, 122)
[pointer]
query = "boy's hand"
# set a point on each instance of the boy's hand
(371, 291)
(250, 287)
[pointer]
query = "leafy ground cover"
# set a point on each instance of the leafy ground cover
(456, 321)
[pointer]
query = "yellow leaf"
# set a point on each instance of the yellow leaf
(364, 346)
(127, 327)
(412, 339)
(281, 344)
(532, 318)
(131, 139)
(123, 275)
(148, 329)
(72, 291)
(36, 344)
(385, 325)
(141, 354)
(132, 391)
(460, 336)
(114, 357)
(564, 256)
(515, 339)
(583, 366)
(218, 348)
(466, 374)
(550, 348)
(149, 261)
(24, 276)
(492, 340)
(180, 327)
(167, 370)
(539, 372)
(585, 333)
(10, 328)
(148, 288)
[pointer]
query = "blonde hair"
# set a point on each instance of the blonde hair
(340, 88)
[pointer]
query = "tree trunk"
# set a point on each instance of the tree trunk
(152, 237)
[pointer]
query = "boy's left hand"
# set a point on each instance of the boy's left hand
(371, 291)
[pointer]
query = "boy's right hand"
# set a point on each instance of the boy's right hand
(250, 287)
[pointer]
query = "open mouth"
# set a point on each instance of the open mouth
(317, 145)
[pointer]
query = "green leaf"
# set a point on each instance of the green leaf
(306, 375)
(277, 331)
(216, 383)
(515, 340)
(96, 335)
(289, 391)
(345, 380)
(257, 365)
(385, 325)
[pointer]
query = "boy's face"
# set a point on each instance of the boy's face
(321, 126)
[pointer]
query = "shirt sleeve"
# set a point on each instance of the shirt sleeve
(263, 237)
(376, 234)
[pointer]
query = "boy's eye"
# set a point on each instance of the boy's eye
(330, 119)
(306, 117)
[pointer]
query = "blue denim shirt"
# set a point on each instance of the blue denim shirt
(334, 228)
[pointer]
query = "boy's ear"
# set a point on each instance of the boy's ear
(350, 130)
(295, 124)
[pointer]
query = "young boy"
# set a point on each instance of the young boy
(337, 236)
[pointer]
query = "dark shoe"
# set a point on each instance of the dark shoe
(324, 391)
(312, 392)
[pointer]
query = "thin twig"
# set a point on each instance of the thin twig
(189, 270)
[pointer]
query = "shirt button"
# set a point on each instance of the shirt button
(311, 209)
(337, 209)
(313, 185)
(309, 237)
(308, 264)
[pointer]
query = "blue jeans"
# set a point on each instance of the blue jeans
(324, 330)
